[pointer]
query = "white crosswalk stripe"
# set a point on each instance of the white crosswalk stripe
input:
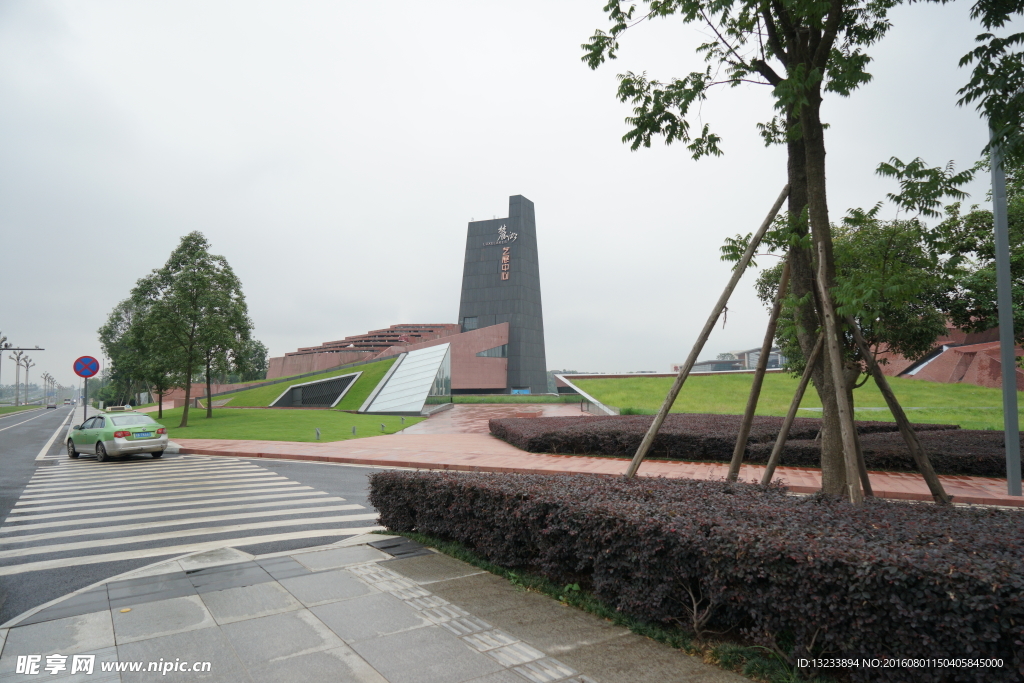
(83, 512)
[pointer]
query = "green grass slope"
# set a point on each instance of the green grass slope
(969, 406)
(280, 425)
(16, 409)
(261, 397)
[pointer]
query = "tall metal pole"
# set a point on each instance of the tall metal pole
(1007, 345)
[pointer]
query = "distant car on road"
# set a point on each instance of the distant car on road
(67, 401)
(51, 404)
(123, 433)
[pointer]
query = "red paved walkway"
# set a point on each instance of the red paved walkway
(473, 418)
(477, 452)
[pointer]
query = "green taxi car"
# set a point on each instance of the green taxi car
(114, 435)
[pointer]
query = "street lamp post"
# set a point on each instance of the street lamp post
(16, 357)
(1007, 345)
(3, 346)
(28, 364)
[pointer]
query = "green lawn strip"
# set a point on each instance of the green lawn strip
(969, 406)
(280, 424)
(260, 397)
(16, 409)
(756, 662)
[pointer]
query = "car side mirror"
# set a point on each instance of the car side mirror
(77, 427)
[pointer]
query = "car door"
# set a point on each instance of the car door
(96, 433)
(81, 437)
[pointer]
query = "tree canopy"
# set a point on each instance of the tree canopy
(186, 317)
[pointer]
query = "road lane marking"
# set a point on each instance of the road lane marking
(21, 423)
(182, 549)
(137, 526)
(29, 514)
(184, 489)
(67, 506)
(87, 478)
(204, 531)
(10, 528)
(149, 482)
(46, 448)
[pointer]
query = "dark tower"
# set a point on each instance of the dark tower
(501, 283)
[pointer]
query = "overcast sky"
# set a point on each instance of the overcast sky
(335, 151)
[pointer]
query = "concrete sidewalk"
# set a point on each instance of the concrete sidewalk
(370, 609)
(476, 452)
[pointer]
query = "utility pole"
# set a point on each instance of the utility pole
(1007, 343)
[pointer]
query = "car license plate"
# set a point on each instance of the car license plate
(143, 435)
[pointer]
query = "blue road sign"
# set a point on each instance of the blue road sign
(86, 366)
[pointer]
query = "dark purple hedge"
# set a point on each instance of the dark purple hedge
(712, 438)
(975, 452)
(814, 576)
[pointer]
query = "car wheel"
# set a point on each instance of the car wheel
(157, 454)
(101, 452)
(72, 453)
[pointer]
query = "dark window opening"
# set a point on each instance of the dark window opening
(496, 352)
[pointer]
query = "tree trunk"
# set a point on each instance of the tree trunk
(835, 475)
(160, 405)
(209, 401)
(188, 391)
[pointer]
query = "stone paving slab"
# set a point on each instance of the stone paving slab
(474, 452)
(422, 619)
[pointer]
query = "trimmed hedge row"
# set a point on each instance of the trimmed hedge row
(813, 576)
(687, 435)
(975, 452)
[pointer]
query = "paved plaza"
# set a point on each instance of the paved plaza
(369, 609)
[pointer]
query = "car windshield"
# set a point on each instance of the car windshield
(129, 420)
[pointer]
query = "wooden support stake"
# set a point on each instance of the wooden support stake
(780, 441)
(865, 481)
(846, 426)
(737, 273)
(755, 388)
(909, 435)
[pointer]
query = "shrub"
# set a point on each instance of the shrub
(975, 452)
(813, 576)
(686, 436)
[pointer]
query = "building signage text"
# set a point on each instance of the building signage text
(506, 261)
(504, 237)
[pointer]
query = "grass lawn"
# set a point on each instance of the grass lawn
(260, 397)
(280, 425)
(969, 406)
(16, 409)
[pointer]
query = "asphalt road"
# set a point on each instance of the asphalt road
(68, 523)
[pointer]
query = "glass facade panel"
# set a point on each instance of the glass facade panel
(470, 323)
(442, 385)
(496, 352)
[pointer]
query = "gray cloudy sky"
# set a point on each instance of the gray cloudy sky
(334, 152)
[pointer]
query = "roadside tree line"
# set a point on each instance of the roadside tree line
(185, 321)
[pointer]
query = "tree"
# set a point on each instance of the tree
(252, 362)
(801, 51)
(196, 306)
(972, 304)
